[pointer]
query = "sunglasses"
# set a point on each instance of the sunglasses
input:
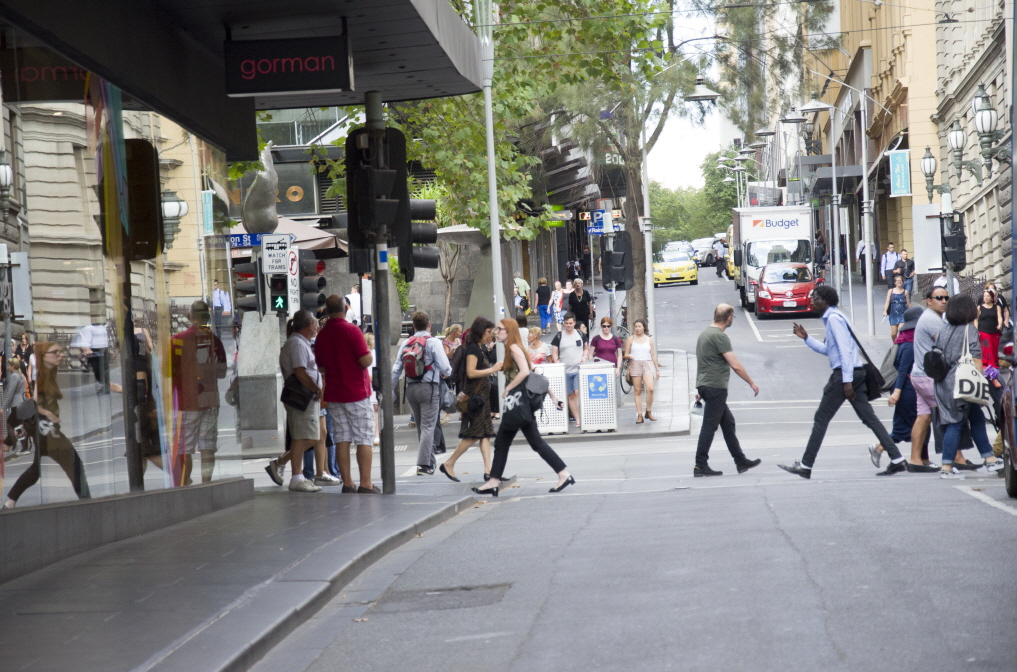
(941, 298)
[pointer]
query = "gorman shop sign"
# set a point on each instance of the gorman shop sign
(265, 67)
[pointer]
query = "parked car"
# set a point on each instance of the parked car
(674, 266)
(705, 256)
(785, 288)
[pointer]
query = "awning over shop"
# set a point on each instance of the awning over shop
(169, 54)
(848, 178)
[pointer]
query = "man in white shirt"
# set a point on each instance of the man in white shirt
(354, 306)
(221, 307)
(570, 348)
(886, 264)
(941, 282)
(94, 343)
(718, 255)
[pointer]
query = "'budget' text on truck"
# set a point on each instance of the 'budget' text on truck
(763, 236)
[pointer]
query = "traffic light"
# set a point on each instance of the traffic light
(954, 241)
(414, 221)
(248, 285)
(617, 264)
(312, 282)
(368, 203)
(278, 296)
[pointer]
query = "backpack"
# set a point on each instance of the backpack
(935, 364)
(536, 388)
(458, 364)
(524, 304)
(413, 357)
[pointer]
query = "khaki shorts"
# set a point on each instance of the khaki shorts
(925, 390)
(199, 430)
(639, 368)
(304, 425)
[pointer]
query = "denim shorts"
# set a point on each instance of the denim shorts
(571, 382)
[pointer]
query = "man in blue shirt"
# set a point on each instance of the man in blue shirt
(847, 382)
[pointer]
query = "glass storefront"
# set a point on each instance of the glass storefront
(124, 338)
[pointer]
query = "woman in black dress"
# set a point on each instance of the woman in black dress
(476, 425)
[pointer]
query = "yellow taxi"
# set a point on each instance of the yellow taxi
(674, 266)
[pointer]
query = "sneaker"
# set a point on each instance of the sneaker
(951, 473)
(303, 486)
(875, 455)
(327, 479)
(377, 442)
(706, 471)
(991, 467)
(274, 472)
(425, 471)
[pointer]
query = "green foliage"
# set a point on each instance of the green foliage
(679, 214)
(761, 59)
(720, 197)
(402, 287)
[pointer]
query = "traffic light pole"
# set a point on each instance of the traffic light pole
(485, 20)
(376, 128)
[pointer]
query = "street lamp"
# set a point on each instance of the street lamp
(955, 137)
(986, 119)
(928, 165)
(702, 93)
(173, 210)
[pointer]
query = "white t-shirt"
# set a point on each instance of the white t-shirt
(356, 308)
(941, 282)
(570, 349)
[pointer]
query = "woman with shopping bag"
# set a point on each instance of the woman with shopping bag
(961, 394)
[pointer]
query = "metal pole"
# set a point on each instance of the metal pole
(375, 118)
(485, 20)
(651, 308)
(851, 293)
(835, 215)
(867, 219)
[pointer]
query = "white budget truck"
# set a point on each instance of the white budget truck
(770, 235)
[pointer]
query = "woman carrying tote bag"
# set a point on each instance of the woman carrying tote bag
(957, 339)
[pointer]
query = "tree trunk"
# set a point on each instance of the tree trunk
(636, 295)
(448, 303)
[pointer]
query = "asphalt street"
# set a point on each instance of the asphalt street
(641, 567)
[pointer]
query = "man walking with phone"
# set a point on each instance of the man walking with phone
(715, 360)
(847, 383)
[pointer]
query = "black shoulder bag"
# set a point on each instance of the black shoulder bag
(874, 381)
(295, 395)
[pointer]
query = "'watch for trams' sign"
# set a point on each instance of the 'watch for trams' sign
(302, 65)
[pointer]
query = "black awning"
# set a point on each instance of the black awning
(848, 178)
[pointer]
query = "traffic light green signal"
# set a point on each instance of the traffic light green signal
(277, 292)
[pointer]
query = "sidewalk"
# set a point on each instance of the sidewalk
(214, 593)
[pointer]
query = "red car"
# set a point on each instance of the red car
(785, 288)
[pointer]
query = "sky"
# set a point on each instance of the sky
(682, 146)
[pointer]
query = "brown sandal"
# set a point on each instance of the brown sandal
(639, 418)
(649, 416)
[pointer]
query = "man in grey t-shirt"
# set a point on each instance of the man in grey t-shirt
(928, 327)
(570, 348)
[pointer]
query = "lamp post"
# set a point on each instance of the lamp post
(955, 137)
(486, 18)
(796, 118)
(173, 210)
(928, 165)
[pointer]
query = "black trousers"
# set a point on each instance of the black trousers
(502, 442)
(99, 363)
(716, 413)
(57, 447)
(833, 399)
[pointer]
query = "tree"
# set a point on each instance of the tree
(623, 109)
(719, 197)
(679, 214)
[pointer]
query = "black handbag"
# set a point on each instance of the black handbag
(874, 381)
(295, 395)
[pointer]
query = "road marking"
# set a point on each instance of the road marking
(412, 471)
(988, 500)
(485, 635)
(787, 346)
(752, 323)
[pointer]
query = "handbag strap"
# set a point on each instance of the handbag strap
(858, 343)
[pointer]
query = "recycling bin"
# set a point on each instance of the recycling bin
(549, 419)
(598, 409)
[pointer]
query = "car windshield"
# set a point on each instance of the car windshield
(787, 274)
(702, 242)
(763, 252)
(672, 257)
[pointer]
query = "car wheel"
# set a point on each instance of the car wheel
(1010, 473)
(695, 282)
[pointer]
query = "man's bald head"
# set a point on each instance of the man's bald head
(722, 313)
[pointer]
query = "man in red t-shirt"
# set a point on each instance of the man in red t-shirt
(344, 360)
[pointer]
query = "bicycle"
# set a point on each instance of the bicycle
(623, 378)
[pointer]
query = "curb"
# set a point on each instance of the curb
(294, 606)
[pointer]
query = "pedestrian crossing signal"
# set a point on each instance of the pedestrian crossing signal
(278, 295)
